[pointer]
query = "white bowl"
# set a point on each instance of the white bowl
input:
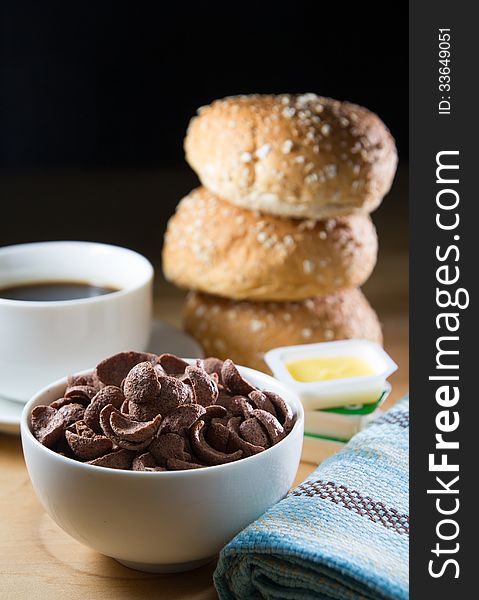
(334, 393)
(41, 341)
(161, 521)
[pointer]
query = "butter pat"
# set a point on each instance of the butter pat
(326, 368)
(333, 374)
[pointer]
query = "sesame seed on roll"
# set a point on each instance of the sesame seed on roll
(302, 156)
(219, 248)
(244, 331)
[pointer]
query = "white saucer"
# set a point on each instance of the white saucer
(164, 338)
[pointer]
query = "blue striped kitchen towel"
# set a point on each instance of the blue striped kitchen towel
(341, 535)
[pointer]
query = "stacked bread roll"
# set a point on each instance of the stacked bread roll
(278, 240)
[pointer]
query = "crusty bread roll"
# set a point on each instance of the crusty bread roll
(244, 331)
(216, 247)
(292, 155)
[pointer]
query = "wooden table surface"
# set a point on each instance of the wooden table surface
(38, 561)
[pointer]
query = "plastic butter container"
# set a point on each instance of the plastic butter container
(342, 423)
(333, 374)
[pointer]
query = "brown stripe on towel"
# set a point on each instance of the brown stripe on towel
(397, 418)
(353, 500)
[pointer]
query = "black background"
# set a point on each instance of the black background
(96, 97)
(94, 84)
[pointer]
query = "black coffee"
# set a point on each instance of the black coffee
(48, 291)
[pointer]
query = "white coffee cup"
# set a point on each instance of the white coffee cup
(43, 341)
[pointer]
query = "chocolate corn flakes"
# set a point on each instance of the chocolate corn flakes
(145, 412)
